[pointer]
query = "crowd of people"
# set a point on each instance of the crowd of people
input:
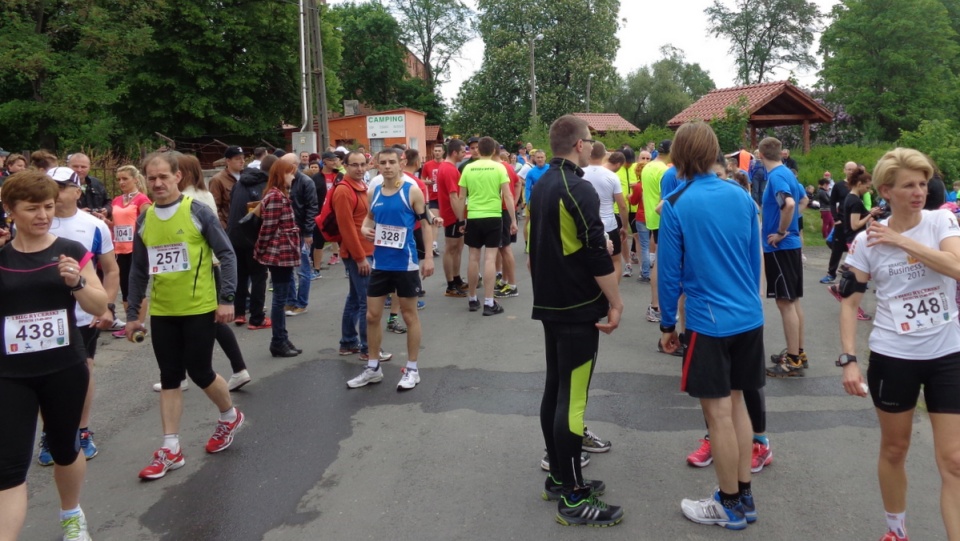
(188, 257)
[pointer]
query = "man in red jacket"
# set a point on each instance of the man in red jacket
(350, 205)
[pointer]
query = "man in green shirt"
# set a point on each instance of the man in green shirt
(650, 179)
(487, 185)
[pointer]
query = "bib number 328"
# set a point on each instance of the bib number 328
(390, 236)
(30, 333)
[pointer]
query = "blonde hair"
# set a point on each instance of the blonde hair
(137, 176)
(885, 172)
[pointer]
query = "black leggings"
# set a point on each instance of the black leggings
(124, 261)
(571, 352)
(225, 336)
(59, 398)
(756, 408)
(837, 248)
(184, 345)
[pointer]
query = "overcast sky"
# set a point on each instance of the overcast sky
(640, 43)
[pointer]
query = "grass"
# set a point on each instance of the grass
(811, 228)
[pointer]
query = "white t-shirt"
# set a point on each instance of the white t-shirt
(378, 181)
(524, 169)
(607, 184)
(93, 234)
(916, 306)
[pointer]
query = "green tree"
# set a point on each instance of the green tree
(436, 30)
(220, 67)
(731, 128)
(373, 67)
(939, 139)
(332, 41)
(766, 34)
(63, 67)
(652, 95)
(496, 101)
(888, 75)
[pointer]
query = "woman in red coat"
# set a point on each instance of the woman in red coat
(278, 247)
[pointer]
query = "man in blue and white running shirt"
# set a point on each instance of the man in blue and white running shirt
(395, 206)
(724, 314)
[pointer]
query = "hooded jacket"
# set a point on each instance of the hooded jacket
(250, 188)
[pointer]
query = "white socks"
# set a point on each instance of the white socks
(412, 365)
(172, 442)
(229, 416)
(896, 523)
(488, 301)
(67, 513)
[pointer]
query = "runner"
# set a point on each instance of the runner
(42, 366)
(724, 314)
(487, 185)
(94, 235)
(568, 246)
(127, 206)
(394, 207)
(606, 182)
(448, 191)
(175, 240)
(914, 259)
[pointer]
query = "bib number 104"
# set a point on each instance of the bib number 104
(924, 308)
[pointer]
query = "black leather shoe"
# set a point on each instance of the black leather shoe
(293, 347)
(283, 351)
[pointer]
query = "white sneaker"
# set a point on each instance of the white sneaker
(710, 511)
(118, 325)
(409, 380)
(653, 315)
(238, 380)
(75, 528)
(184, 385)
(369, 375)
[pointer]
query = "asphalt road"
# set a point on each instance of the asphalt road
(457, 457)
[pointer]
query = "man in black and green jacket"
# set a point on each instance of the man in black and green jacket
(574, 287)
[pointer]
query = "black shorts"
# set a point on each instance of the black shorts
(434, 204)
(452, 231)
(318, 242)
(633, 222)
(655, 235)
(90, 336)
(506, 239)
(895, 383)
(614, 237)
(713, 366)
(383, 283)
(784, 272)
(483, 232)
(418, 240)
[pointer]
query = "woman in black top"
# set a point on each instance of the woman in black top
(855, 213)
(42, 362)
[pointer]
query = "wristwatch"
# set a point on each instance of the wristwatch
(80, 285)
(844, 359)
(782, 233)
(227, 298)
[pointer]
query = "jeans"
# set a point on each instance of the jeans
(299, 296)
(355, 308)
(644, 235)
(282, 289)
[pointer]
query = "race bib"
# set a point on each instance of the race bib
(433, 177)
(390, 236)
(920, 309)
(30, 333)
(168, 258)
(123, 233)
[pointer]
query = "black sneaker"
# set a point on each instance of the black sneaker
(786, 369)
(474, 305)
(581, 508)
(553, 489)
(545, 461)
(454, 292)
(492, 310)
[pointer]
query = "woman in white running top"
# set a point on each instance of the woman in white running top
(914, 259)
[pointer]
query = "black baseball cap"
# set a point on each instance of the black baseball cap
(232, 151)
(664, 147)
(328, 156)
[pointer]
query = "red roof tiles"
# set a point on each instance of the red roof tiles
(771, 100)
(604, 122)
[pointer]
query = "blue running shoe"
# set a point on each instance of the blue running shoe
(86, 444)
(827, 279)
(749, 508)
(421, 305)
(710, 511)
(44, 458)
(388, 302)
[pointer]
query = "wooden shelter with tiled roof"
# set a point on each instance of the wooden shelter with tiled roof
(606, 122)
(768, 104)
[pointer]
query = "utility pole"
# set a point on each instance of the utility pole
(533, 80)
(319, 82)
(589, 80)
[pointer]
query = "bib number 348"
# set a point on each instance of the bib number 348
(920, 310)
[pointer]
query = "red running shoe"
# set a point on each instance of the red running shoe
(267, 323)
(240, 321)
(892, 536)
(163, 461)
(702, 457)
(762, 456)
(223, 435)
